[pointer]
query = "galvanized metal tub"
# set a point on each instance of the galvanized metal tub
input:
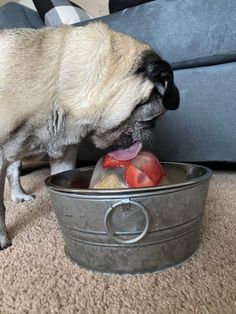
(131, 230)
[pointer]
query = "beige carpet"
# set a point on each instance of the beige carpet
(36, 277)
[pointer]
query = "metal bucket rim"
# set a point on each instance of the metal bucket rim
(106, 192)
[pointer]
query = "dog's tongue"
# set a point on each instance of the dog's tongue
(128, 153)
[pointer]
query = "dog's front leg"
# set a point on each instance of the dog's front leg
(67, 162)
(4, 241)
(17, 192)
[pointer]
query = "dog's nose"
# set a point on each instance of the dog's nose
(171, 98)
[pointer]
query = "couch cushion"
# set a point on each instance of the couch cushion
(13, 15)
(186, 33)
(203, 128)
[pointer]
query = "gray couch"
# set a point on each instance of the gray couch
(199, 39)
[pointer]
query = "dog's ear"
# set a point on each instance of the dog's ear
(161, 74)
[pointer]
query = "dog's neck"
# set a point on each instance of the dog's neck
(80, 84)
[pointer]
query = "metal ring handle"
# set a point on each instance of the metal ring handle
(116, 238)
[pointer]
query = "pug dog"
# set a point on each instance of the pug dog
(59, 86)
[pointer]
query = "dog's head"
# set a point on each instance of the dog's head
(138, 88)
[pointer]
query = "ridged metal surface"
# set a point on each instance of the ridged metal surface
(132, 231)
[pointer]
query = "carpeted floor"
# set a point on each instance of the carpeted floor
(36, 277)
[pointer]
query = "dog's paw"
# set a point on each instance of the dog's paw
(4, 242)
(22, 197)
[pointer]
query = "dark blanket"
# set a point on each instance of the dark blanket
(118, 5)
